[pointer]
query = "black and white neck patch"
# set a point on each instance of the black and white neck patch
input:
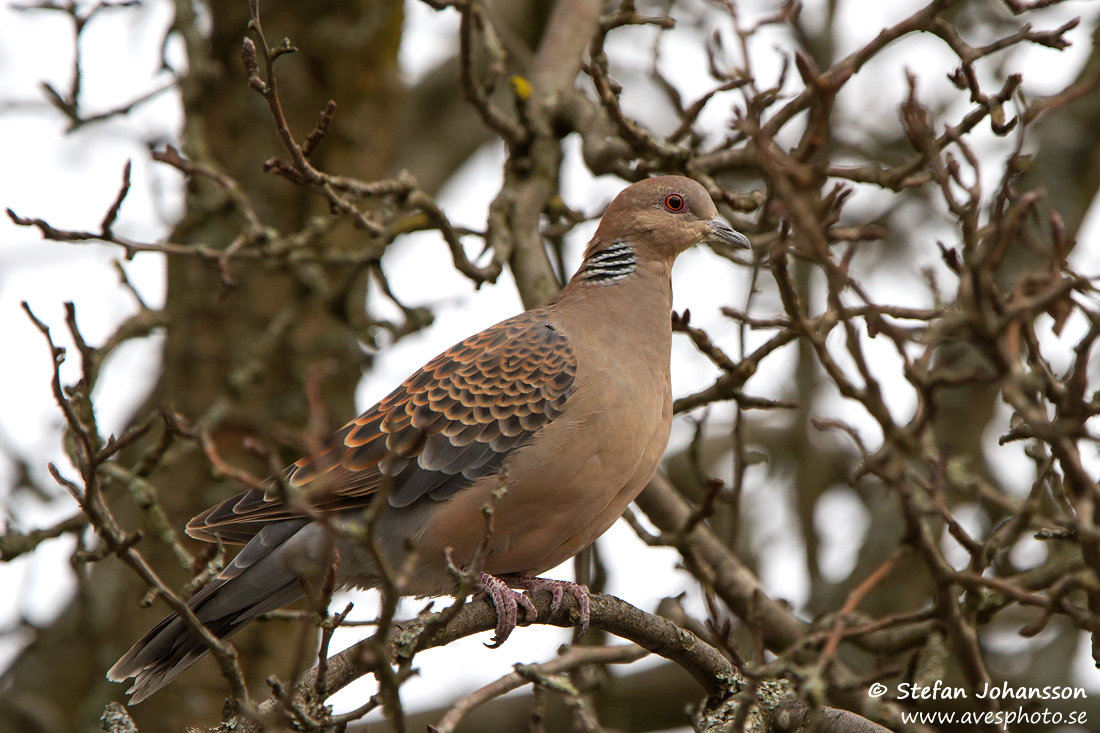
(609, 265)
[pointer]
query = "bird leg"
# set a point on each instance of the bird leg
(506, 602)
(557, 590)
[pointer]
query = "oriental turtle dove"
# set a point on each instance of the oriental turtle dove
(557, 417)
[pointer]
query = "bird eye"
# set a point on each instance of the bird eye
(674, 202)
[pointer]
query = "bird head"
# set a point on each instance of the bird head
(664, 216)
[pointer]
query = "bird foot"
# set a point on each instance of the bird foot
(557, 589)
(507, 603)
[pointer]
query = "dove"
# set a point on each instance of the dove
(555, 418)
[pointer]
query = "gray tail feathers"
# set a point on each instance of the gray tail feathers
(256, 582)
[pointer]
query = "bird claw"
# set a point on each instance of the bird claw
(507, 603)
(557, 589)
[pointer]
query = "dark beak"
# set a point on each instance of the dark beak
(723, 232)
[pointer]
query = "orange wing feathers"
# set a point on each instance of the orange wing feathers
(450, 423)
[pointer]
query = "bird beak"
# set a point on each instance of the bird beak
(723, 232)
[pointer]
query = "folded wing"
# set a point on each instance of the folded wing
(455, 420)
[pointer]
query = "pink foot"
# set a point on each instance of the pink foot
(506, 602)
(557, 590)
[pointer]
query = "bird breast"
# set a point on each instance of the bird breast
(569, 484)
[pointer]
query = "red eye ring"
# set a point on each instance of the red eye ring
(674, 202)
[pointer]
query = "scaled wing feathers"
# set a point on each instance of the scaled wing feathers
(450, 423)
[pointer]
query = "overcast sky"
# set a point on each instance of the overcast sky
(70, 180)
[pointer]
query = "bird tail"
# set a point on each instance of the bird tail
(256, 582)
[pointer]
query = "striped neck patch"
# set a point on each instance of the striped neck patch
(609, 265)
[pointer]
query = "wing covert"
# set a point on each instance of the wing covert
(450, 423)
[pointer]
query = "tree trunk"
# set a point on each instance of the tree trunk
(348, 53)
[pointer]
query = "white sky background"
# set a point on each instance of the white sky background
(70, 180)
